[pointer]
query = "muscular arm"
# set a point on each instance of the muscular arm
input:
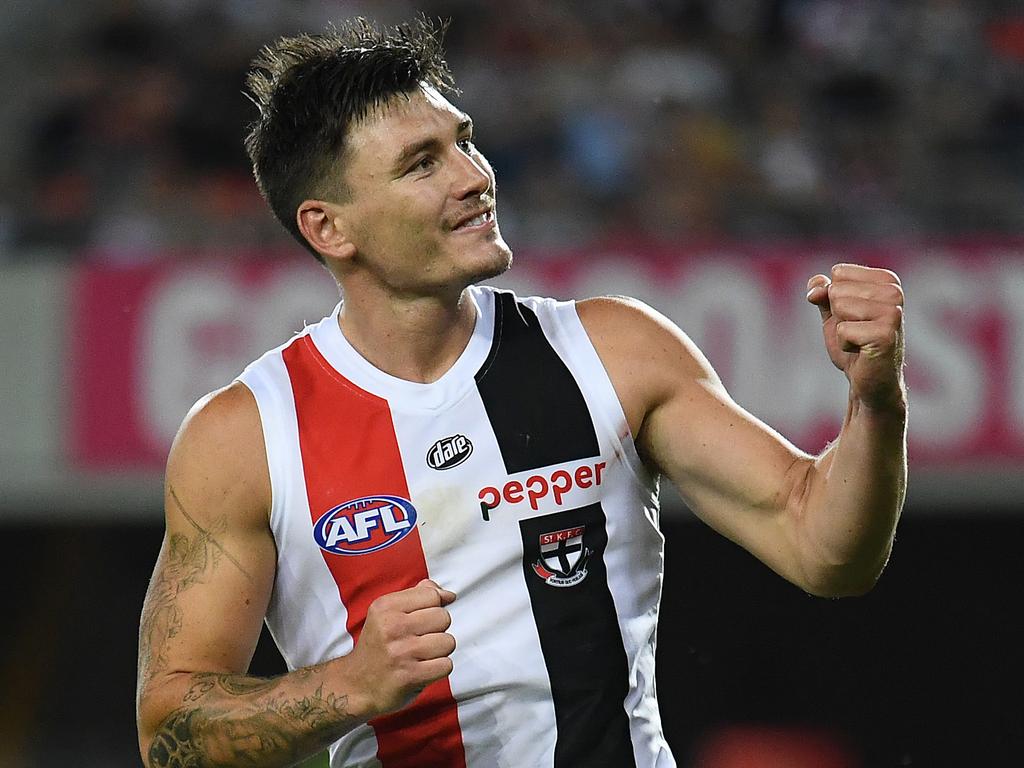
(201, 619)
(823, 522)
(205, 605)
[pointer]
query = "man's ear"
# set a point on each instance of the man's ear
(323, 226)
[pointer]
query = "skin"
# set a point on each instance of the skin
(391, 245)
(825, 522)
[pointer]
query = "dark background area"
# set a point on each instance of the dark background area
(923, 671)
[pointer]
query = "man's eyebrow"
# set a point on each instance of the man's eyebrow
(409, 151)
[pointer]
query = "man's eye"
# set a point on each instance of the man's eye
(423, 164)
(466, 144)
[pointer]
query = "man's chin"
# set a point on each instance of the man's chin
(499, 264)
(505, 252)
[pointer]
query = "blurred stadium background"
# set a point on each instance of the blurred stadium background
(705, 155)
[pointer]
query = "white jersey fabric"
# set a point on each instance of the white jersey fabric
(513, 481)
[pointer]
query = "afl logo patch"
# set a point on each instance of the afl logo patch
(449, 452)
(365, 525)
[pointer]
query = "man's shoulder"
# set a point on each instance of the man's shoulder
(632, 336)
(222, 425)
(622, 318)
(224, 406)
(220, 446)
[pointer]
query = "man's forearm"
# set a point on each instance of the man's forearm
(855, 495)
(239, 720)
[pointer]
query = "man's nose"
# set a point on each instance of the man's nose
(473, 176)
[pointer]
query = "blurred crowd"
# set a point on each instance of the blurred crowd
(123, 120)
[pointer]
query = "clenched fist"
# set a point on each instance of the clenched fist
(403, 647)
(862, 319)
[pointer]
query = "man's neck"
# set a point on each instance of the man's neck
(416, 339)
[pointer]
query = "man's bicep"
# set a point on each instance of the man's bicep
(735, 472)
(212, 581)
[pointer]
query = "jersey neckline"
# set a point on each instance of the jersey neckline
(451, 386)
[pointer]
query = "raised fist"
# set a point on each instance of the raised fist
(862, 319)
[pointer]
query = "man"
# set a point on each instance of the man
(443, 498)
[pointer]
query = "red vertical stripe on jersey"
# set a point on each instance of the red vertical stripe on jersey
(349, 450)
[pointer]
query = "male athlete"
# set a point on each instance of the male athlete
(443, 498)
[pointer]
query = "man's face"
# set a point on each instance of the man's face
(421, 208)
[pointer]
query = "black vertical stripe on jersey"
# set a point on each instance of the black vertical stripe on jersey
(582, 647)
(534, 404)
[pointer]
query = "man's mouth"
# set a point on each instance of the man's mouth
(480, 221)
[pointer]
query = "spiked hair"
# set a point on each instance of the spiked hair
(310, 89)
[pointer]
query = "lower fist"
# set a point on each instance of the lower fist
(404, 646)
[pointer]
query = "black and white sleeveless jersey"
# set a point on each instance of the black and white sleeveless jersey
(514, 482)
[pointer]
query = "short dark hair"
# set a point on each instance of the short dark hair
(310, 89)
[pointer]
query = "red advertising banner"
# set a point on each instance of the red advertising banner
(145, 342)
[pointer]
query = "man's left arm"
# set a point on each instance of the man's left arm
(856, 488)
(826, 522)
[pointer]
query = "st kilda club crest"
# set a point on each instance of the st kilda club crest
(563, 557)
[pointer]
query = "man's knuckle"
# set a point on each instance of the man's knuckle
(380, 605)
(403, 650)
(430, 594)
(393, 628)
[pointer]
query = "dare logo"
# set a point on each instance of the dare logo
(365, 525)
(449, 452)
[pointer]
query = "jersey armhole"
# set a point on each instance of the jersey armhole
(273, 438)
(577, 346)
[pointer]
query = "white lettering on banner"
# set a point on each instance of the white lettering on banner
(176, 367)
(173, 371)
(725, 311)
(201, 326)
(289, 302)
(806, 389)
(948, 395)
(622, 276)
(1010, 280)
(767, 349)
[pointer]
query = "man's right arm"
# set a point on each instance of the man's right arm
(204, 610)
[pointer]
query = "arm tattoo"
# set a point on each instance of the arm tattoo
(235, 685)
(227, 719)
(189, 559)
(203, 532)
(236, 720)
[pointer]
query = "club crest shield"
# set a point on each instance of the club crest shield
(563, 557)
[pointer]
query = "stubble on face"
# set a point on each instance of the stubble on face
(403, 220)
